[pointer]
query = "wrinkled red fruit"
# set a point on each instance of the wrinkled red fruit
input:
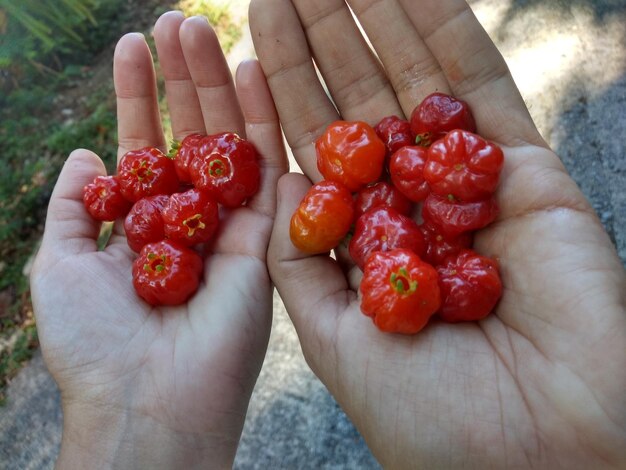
(406, 168)
(190, 217)
(381, 194)
(463, 165)
(453, 218)
(439, 247)
(395, 133)
(103, 199)
(470, 287)
(399, 291)
(144, 222)
(350, 153)
(323, 218)
(183, 154)
(439, 114)
(167, 273)
(227, 167)
(146, 172)
(384, 229)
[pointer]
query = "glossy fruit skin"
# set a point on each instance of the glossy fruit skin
(381, 194)
(470, 287)
(399, 291)
(350, 153)
(103, 199)
(227, 167)
(190, 217)
(463, 165)
(167, 273)
(406, 168)
(144, 223)
(453, 218)
(323, 218)
(439, 114)
(183, 153)
(384, 229)
(146, 172)
(439, 247)
(395, 133)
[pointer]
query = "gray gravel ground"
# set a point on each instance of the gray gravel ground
(569, 60)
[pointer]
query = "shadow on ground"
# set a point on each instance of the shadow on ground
(313, 433)
(588, 136)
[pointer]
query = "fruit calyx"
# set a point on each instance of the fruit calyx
(402, 282)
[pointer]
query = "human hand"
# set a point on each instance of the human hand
(541, 381)
(154, 387)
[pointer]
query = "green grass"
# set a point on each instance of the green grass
(37, 138)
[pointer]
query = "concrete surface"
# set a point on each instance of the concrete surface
(569, 60)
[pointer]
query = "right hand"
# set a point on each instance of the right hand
(541, 381)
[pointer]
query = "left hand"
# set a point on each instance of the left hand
(146, 386)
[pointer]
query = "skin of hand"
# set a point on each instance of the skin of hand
(540, 382)
(160, 387)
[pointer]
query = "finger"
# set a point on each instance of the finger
(69, 227)
(475, 69)
(138, 117)
(413, 71)
(357, 82)
(309, 285)
(303, 106)
(182, 98)
(263, 130)
(211, 76)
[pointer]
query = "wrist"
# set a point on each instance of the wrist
(102, 437)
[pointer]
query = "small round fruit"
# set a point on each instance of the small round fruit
(144, 222)
(399, 291)
(406, 168)
(167, 273)
(395, 133)
(384, 229)
(227, 167)
(183, 153)
(350, 153)
(463, 165)
(439, 246)
(381, 194)
(439, 114)
(190, 217)
(453, 218)
(323, 218)
(146, 172)
(470, 287)
(103, 199)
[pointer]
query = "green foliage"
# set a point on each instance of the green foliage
(50, 21)
(38, 36)
(34, 151)
(219, 15)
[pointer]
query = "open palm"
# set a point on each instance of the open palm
(538, 383)
(184, 373)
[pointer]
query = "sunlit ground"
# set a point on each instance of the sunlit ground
(554, 62)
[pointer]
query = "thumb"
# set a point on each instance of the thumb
(313, 288)
(69, 227)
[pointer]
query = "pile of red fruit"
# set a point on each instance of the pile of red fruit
(410, 271)
(171, 207)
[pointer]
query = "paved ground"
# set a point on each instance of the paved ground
(569, 59)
